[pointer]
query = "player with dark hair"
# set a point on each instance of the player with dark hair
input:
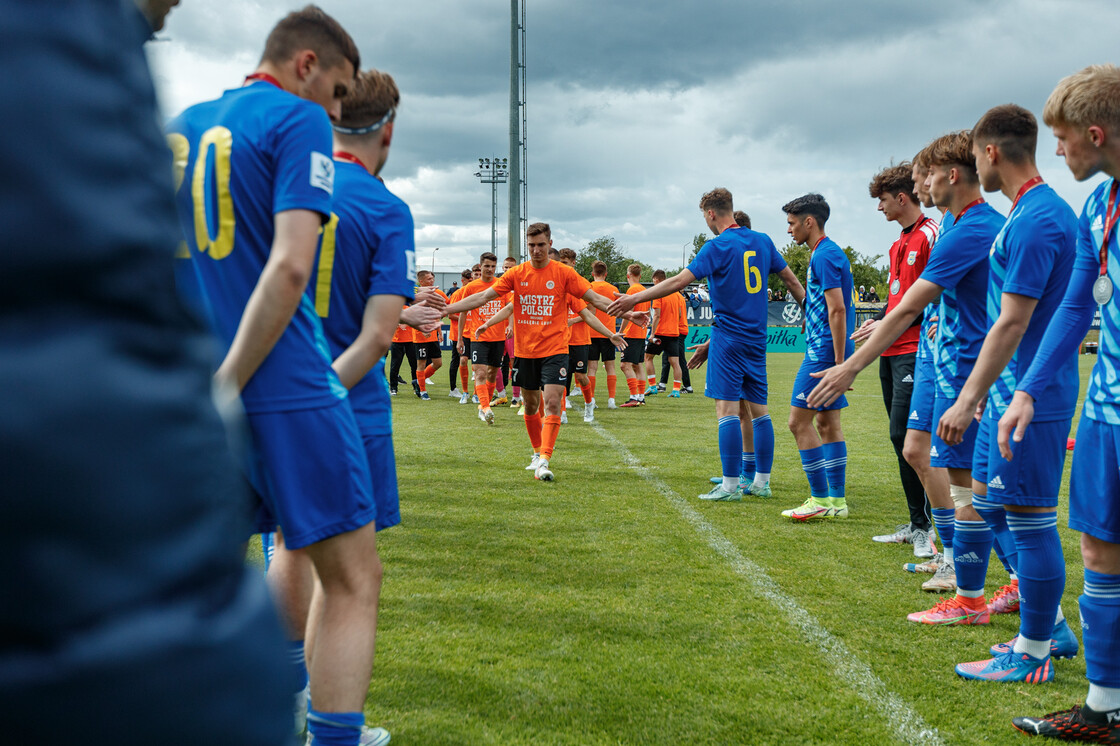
(829, 322)
(458, 360)
(664, 338)
(601, 348)
(429, 356)
(487, 346)
(893, 188)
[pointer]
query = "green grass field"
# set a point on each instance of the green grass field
(613, 607)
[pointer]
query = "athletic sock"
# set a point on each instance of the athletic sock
(592, 379)
(268, 548)
(651, 380)
(612, 386)
(812, 461)
(533, 427)
(746, 471)
(676, 385)
(295, 657)
(588, 394)
(730, 448)
(422, 382)
(335, 728)
(463, 376)
(482, 391)
(1041, 569)
(429, 371)
(763, 443)
(835, 466)
(633, 384)
(500, 381)
(1103, 698)
(549, 432)
(943, 518)
(1100, 628)
(995, 516)
(972, 545)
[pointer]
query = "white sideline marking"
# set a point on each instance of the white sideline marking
(907, 724)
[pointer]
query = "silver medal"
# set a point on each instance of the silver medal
(1102, 290)
(895, 286)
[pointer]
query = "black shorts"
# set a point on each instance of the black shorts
(428, 351)
(635, 351)
(601, 349)
(534, 373)
(669, 346)
(487, 353)
(577, 358)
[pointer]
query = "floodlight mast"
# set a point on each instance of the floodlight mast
(493, 171)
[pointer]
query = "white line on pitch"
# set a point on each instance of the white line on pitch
(907, 724)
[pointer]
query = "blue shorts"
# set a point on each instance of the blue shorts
(311, 472)
(735, 370)
(383, 471)
(921, 400)
(1094, 485)
(804, 383)
(943, 455)
(1034, 474)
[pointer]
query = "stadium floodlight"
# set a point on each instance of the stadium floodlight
(493, 172)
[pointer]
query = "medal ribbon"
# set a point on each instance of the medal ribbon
(1111, 216)
(1024, 189)
(342, 155)
(968, 207)
(265, 77)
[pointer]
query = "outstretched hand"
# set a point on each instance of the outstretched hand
(1013, 424)
(833, 383)
(699, 355)
(621, 304)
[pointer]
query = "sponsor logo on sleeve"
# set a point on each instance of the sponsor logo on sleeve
(322, 172)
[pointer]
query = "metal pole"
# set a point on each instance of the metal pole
(514, 247)
(494, 217)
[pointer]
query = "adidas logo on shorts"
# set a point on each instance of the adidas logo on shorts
(909, 379)
(996, 483)
(933, 452)
(914, 415)
(969, 558)
(802, 397)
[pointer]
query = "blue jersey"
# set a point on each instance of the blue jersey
(960, 266)
(925, 344)
(737, 263)
(247, 156)
(828, 268)
(1033, 256)
(367, 249)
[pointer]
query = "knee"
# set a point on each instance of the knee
(915, 455)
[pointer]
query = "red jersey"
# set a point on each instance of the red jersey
(909, 255)
(540, 306)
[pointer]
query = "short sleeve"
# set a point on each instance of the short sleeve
(506, 283)
(701, 265)
(945, 268)
(301, 151)
(828, 271)
(1031, 258)
(393, 264)
(777, 263)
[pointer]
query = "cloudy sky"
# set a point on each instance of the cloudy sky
(637, 108)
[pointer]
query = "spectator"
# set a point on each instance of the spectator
(872, 296)
(453, 288)
(862, 294)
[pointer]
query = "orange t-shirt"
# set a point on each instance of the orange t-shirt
(578, 333)
(454, 318)
(403, 332)
(669, 320)
(479, 316)
(606, 290)
(682, 322)
(420, 337)
(633, 331)
(540, 306)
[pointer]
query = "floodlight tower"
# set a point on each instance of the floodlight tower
(493, 171)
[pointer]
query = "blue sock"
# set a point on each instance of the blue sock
(268, 548)
(996, 518)
(764, 443)
(835, 466)
(1100, 626)
(972, 545)
(335, 728)
(944, 518)
(730, 445)
(746, 471)
(295, 655)
(1042, 571)
(812, 461)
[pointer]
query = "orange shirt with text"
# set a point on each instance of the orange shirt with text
(540, 306)
(482, 314)
(420, 337)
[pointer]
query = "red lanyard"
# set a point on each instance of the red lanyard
(1023, 190)
(265, 77)
(968, 207)
(1111, 216)
(818, 243)
(342, 155)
